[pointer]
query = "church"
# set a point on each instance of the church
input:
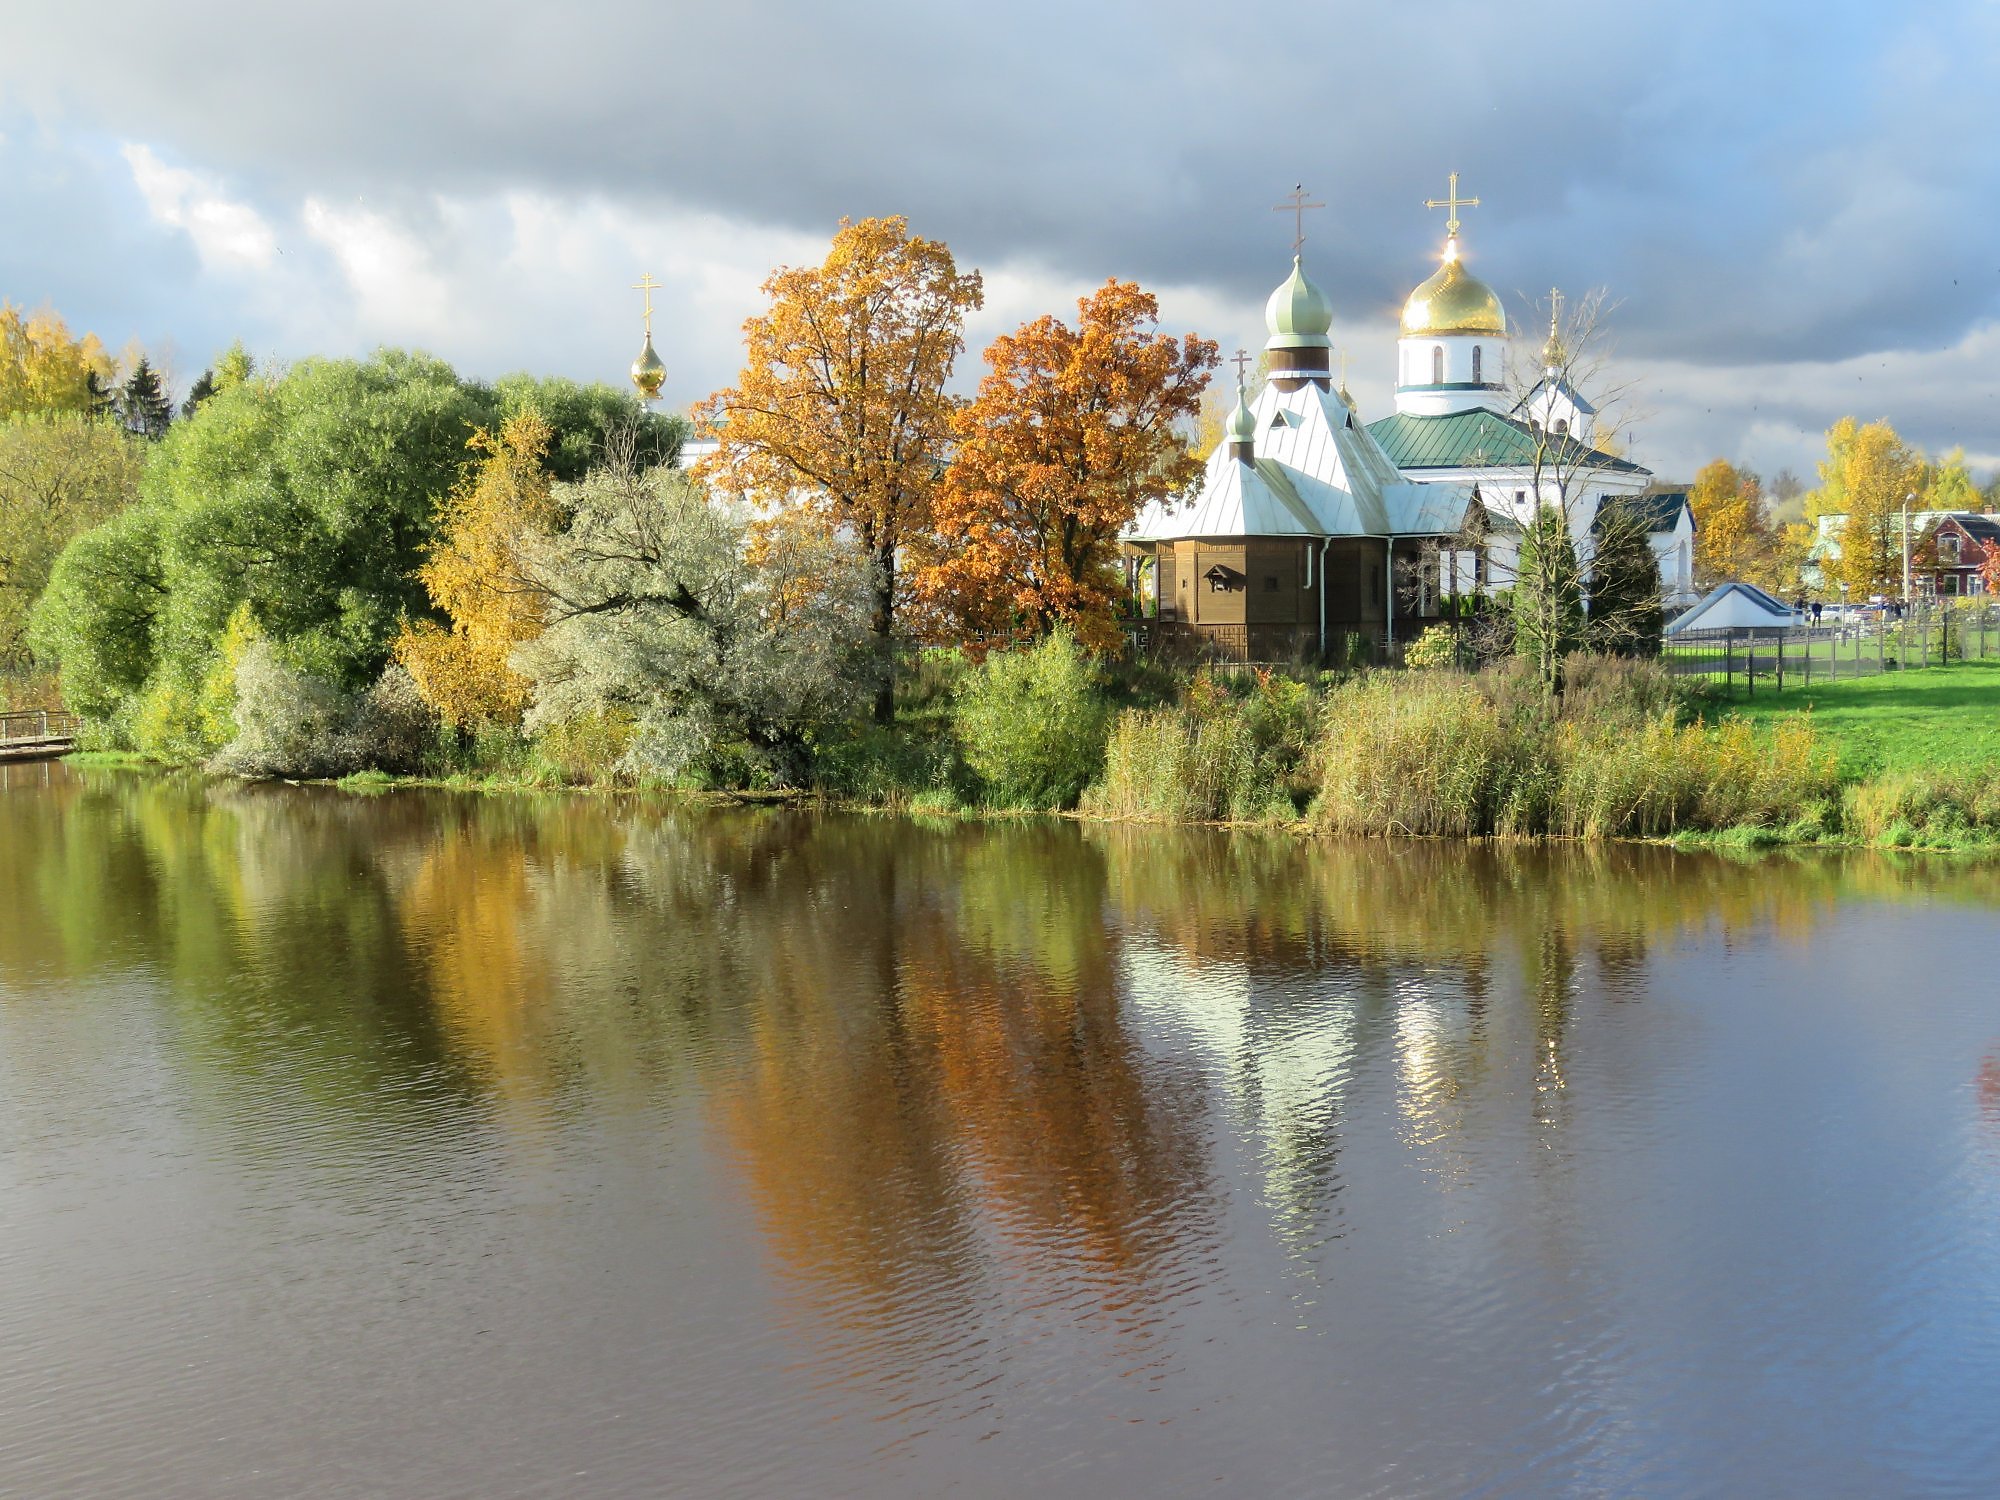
(1310, 527)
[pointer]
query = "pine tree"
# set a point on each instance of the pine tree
(201, 390)
(1625, 613)
(143, 403)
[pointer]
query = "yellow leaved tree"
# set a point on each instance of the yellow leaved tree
(1733, 540)
(473, 575)
(43, 369)
(1870, 474)
(841, 412)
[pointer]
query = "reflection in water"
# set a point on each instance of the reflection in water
(1031, 1122)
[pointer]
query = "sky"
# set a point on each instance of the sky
(1791, 209)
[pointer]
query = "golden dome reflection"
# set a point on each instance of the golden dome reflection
(1453, 301)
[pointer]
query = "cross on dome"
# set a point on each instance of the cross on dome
(1296, 205)
(1452, 203)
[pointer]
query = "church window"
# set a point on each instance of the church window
(1476, 352)
(1562, 427)
(1437, 364)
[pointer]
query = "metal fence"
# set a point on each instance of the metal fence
(1747, 663)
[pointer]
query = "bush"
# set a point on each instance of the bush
(1435, 650)
(292, 723)
(887, 766)
(1031, 724)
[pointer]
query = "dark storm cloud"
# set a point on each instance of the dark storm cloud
(1754, 183)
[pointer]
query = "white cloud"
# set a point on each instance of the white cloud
(227, 234)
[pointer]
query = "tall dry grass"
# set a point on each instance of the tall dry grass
(1465, 757)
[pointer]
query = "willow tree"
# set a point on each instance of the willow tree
(841, 409)
(1074, 430)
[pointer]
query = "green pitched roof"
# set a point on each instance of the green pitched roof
(1479, 439)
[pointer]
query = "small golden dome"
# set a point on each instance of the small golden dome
(649, 372)
(1453, 301)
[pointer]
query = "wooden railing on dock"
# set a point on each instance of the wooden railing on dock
(34, 733)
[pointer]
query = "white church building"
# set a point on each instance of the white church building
(1309, 524)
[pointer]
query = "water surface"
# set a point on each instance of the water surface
(427, 1145)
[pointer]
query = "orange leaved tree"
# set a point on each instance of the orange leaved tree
(841, 409)
(473, 575)
(1072, 432)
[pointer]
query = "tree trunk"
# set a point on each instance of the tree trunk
(882, 621)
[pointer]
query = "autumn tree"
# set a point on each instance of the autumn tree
(1733, 537)
(1072, 432)
(43, 369)
(1872, 474)
(473, 576)
(841, 408)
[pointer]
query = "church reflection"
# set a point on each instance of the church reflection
(970, 1078)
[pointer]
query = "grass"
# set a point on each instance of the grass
(1938, 719)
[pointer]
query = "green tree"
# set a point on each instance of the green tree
(1625, 615)
(143, 403)
(1548, 597)
(60, 475)
(99, 618)
(200, 391)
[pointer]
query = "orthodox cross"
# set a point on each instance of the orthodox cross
(1241, 358)
(1555, 313)
(1296, 205)
(647, 285)
(1451, 203)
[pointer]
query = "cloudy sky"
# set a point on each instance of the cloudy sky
(1793, 206)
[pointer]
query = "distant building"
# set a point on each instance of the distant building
(1947, 549)
(1741, 609)
(1309, 525)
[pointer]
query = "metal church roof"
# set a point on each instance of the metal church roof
(1481, 439)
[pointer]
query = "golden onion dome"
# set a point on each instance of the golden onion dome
(1453, 300)
(649, 372)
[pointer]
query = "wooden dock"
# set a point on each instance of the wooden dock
(37, 734)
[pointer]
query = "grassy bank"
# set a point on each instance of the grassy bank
(1944, 718)
(1627, 752)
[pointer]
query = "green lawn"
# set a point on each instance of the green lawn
(1900, 721)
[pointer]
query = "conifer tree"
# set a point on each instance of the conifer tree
(143, 404)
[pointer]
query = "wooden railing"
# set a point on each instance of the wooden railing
(35, 725)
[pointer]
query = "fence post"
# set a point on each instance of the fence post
(1809, 646)
(1728, 665)
(1882, 642)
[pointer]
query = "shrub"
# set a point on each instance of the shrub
(1032, 724)
(292, 723)
(1435, 650)
(888, 766)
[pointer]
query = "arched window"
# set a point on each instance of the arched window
(1437, 364)
(1476, 352)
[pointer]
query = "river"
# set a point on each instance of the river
(427, 1144)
